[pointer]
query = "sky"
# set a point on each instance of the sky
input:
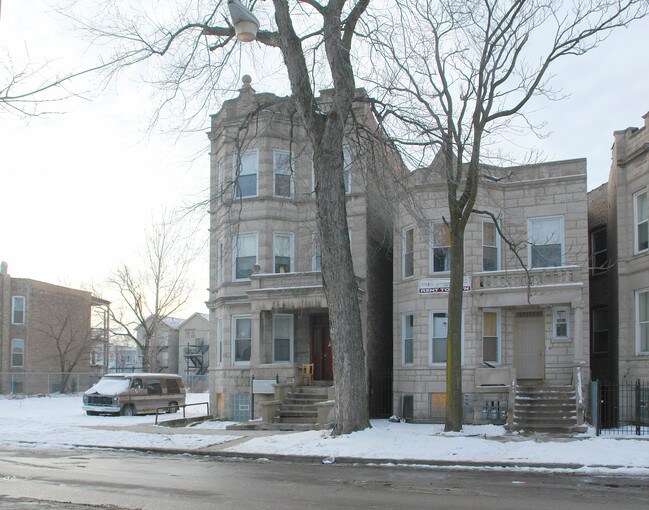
(60, 422)
(78, 188)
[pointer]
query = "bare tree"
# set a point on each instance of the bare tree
(459, 75)
(194, 46)
(154, 290)
(67, 329)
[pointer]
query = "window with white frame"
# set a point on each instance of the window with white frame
(440, 247)
(641, 221)
(18, 310)
(219, 262)
(219, 341)
(642, 321)
(598, 251)
(545, 237)
(408, 252)
(190, 334)
(283, 252)
(439, 333)
(490, 247)
(241, 340)
(282, 338)
(245, 256)
(347, 168)
(561, 321)
(245, 174)
(408, 336)
(491, 336)
(316, 261)
(283, 172)
(17, 352)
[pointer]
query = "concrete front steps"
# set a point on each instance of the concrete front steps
(299, 410)
(548, 409)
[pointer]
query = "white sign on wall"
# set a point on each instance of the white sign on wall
(440, 285)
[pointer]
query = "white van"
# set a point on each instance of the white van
(130, 394)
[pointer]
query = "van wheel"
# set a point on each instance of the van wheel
(173, 407)
(128, 410)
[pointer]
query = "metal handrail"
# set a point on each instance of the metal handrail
(184, 406)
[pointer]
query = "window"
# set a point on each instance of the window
(598, 253)
(642, 321)
(245, 255)
(546, 242)
(599, 329)
(490, 244)
(219, 341)
(347, 169)
(219, 182)
(316, 263)
(283, 173)
(219, 262)
(241, 340)
(18, 310)
(491, 336)
(283, 253)
(190, 334)
(440, 246)
(282, 338)
(439, 324)
(641, 220)
(408, 331)
(17, 352)
(408, 249)
(561, 322)
(245, 174)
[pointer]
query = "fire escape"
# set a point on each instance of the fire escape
(196, 357)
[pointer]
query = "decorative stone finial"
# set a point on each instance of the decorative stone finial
(246, 88)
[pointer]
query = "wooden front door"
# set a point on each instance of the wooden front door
(529, 345)
(321, 349)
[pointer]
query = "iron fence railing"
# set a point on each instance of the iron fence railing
(620, 409)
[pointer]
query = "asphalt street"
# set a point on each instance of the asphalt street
(84, 479)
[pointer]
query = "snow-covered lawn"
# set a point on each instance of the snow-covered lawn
(60, 422)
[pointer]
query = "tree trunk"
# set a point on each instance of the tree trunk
(341, 289)
(454, 416)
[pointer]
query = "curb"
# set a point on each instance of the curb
(385, 462)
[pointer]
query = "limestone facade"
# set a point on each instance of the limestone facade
(517, 325)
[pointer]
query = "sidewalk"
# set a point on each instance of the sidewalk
(409, 445)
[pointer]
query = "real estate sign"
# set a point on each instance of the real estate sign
(440, 285)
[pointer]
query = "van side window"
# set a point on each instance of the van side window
(154, 387)
(172, 386)
(137, 383)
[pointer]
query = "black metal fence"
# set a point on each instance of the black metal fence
(620, 409)
(380, 384)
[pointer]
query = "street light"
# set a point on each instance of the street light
(245, 22)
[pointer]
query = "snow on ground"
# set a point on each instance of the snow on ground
(484, 443)
(60, 422)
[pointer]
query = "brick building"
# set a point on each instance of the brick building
(46, 333)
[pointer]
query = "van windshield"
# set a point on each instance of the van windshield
(111, 385)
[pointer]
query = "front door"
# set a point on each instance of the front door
(529, 344)
(321, 349)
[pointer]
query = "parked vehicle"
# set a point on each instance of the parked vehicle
(138, 393)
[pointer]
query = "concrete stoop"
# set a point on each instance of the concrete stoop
(297, 412)
(546, 409)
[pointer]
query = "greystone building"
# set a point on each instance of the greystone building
(525, 322)
(268, 312)
(619, 242)
(525, 326)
